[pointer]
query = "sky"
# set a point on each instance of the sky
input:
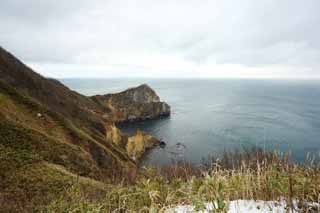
(164, 39)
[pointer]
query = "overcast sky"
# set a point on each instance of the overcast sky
(166, 38)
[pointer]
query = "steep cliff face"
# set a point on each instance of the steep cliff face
(139, 103)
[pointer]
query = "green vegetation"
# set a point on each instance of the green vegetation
(41, 157)
(29, 183)
(27, 178)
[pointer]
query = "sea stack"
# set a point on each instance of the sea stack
(135, 104)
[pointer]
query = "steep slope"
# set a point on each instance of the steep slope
(49, 136)
(23, 111)
(36, 169)
(42, 154)
(49, 92)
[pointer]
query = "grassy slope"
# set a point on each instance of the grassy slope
(31, 167)
(50, 93)
(42, 156)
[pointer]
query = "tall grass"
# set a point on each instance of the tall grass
(253, 174)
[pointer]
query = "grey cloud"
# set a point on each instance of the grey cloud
(274, 32)
(247, 32)
(43, 31)
(38, 12)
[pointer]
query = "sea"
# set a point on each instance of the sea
(213, 116)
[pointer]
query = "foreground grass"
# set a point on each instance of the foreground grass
(253, 175)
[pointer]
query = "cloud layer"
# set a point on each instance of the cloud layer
(169, 38)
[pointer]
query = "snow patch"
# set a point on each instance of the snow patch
(245, 206)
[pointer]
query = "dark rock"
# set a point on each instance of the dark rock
(162, 144)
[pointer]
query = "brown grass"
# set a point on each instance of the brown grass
(252, 174)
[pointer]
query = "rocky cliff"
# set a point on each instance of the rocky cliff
(139, 103)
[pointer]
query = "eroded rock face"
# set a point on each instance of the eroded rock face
(139, 143)
(135, 145)
(139, 103)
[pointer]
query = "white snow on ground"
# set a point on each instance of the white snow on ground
(244, 206)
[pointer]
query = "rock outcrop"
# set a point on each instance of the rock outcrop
(139, 103)
(138, 144)
(135, 145)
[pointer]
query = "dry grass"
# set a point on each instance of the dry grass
(253, 174)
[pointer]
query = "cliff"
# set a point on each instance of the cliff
(139, 103)
(51, 136)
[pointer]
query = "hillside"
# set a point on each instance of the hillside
(51, 137)
(49, 92)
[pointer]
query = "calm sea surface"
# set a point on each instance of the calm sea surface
(210, 116)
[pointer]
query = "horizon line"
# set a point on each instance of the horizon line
(200, 78)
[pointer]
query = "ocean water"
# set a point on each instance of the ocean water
(217, 115)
